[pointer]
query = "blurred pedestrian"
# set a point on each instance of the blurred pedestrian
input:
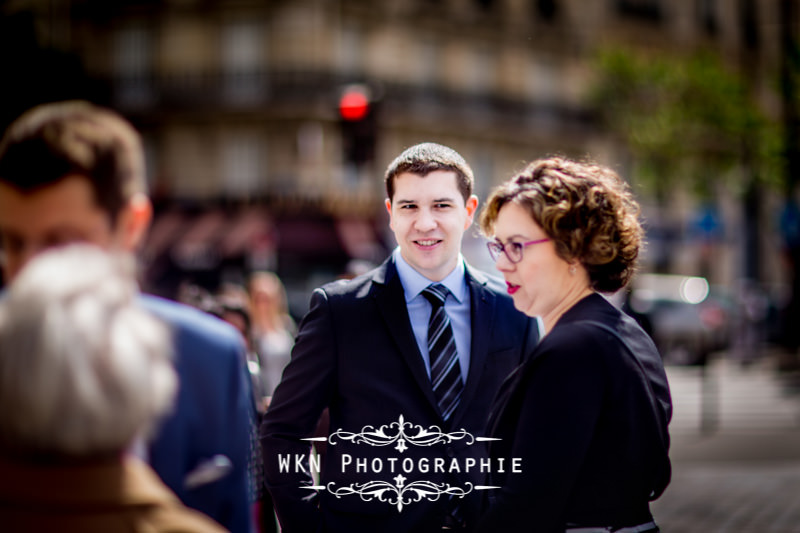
(586, 415)
(273, 328)
(363, 352)
(233, 308)
(74, 172)
(749, 329)
(85, 372)
(232, 305)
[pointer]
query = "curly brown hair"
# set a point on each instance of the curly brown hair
(586, 208)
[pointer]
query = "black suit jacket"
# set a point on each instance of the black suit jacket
(356, 355)
(588, 421)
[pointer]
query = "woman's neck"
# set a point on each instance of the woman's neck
(572, 297)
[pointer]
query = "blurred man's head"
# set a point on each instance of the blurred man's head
(70, 172)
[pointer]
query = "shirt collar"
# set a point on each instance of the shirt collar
(414, 282)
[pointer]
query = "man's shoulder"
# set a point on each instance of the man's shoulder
(490, 282)
(190, 322)
(358, 286)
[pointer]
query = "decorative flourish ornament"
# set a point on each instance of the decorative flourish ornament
(401, 432)
(400, 494)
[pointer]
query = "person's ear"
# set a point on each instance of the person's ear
(472, 207)
(388, 204)
(133, 222)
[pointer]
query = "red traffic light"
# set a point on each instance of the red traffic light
(353, 105)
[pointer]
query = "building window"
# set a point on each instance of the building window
(244, 81)
(479, 73)
(132, 56)
(707, 16)
(543, 82)
(242, 164)
(749, 21)
(642, 9)
(350, 50)
(428, 62)
(546, 10)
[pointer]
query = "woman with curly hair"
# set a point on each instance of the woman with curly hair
(584, 418)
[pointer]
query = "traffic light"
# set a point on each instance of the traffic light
(357, 115)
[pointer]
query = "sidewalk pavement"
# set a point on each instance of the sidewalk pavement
(735, 450)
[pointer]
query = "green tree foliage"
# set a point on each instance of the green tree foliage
(687, 121)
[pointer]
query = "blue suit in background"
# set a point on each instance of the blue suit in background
(211, 421)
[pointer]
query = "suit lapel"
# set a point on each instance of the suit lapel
(482, 310)
(390, 300)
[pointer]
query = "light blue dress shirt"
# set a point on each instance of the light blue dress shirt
(419, 309)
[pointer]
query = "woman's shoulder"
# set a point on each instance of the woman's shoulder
(588, 319)
(570, 344)
(575, 334)
(591, 329)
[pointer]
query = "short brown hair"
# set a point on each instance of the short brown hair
(424, 158)
(55, 140)
(586, 208)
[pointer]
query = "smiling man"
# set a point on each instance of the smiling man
(422, 342)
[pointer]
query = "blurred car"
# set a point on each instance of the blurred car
(687, 319)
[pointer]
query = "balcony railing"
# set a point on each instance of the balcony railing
(307, 90)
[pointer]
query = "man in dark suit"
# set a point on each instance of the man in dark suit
(406, 371)
(73, 172)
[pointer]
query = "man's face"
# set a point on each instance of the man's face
(54, 215)
(428, 216)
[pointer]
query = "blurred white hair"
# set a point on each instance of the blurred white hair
(83, 369)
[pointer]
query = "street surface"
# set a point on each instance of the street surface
(735, 450)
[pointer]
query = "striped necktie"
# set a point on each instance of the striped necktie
(445, 369)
